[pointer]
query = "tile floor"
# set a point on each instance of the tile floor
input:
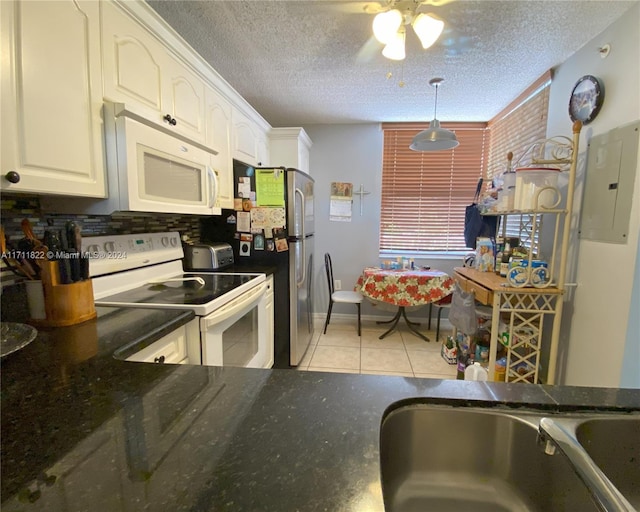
(401, 353)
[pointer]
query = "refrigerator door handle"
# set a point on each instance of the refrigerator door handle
(303, 233)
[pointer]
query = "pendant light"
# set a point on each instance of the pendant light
(434, 138)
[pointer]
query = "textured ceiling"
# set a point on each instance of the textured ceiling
(315, 61)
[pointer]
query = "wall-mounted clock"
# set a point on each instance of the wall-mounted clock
(586, 99)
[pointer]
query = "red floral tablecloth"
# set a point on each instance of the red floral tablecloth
(404, 287)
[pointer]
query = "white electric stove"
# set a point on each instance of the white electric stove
(145, 271)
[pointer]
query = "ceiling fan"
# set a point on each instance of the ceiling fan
(394, 18)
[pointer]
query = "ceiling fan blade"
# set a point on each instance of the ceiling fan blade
(436, 3)
(368, 51)
(356, 6)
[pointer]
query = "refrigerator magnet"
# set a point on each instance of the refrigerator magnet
(282, 245)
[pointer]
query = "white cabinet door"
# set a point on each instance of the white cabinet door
(132, 73)
(142, 73)
(244, 138)
(262, 144)
(184, 98)
(51, 98)
(218, 131)
(181, 346)
(250, 143)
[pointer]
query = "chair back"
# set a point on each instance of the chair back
(329, 270)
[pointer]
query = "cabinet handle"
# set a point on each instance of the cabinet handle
(159, 360)
(12, 177)
(170, 120)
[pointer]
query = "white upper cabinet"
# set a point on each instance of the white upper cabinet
(140, 72)
(218, 138)
(249, 141)
(51, 98)
(290, 148)
(262, 143)
(244, 138)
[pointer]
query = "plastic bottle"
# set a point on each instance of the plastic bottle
(500, 369)
(504, 262)
(475, 372)
(499, 251)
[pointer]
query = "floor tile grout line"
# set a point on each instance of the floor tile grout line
(406, 351)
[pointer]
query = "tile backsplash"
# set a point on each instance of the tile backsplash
(16, 207)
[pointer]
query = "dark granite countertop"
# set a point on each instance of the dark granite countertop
(84, 431)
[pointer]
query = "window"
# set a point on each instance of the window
(522, 123)
(424, 194)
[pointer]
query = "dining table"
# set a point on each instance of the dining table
(404, 288)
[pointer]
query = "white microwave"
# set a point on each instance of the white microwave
(149, 169)
(157, 171)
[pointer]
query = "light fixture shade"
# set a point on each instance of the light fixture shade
(386, 25)
(434, 139)
(394, 49)
(428, 28)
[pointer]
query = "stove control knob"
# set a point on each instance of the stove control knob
(93, 249)
(110, 247)
(174, 242)
(165, 241)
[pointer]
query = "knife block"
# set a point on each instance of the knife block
(65, 304)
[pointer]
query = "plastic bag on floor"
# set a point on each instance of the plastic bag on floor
(462, 313)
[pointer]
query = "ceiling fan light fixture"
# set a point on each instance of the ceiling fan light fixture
(394, 49)
(428, 28)
(434, 138)
(386, 25)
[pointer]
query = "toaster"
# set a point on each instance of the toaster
(207, 256)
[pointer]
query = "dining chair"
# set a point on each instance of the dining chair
(440, 304)
(340, 296)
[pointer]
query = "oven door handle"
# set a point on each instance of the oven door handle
(244, 302)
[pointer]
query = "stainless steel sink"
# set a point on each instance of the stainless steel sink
(614, 445)
(461, 459)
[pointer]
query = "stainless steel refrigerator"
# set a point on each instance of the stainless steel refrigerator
(293, 269)
(301, 229)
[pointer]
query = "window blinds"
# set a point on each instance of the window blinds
(520, 124)
(424, 194)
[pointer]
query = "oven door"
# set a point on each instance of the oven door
(237, 334)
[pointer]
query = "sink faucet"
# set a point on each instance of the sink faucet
(606, 496)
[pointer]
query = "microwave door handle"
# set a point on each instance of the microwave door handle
(213, 187)
(302, 236)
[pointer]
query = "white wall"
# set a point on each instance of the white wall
(345, 153)
(598, 324)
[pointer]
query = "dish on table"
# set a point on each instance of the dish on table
(15, 336)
